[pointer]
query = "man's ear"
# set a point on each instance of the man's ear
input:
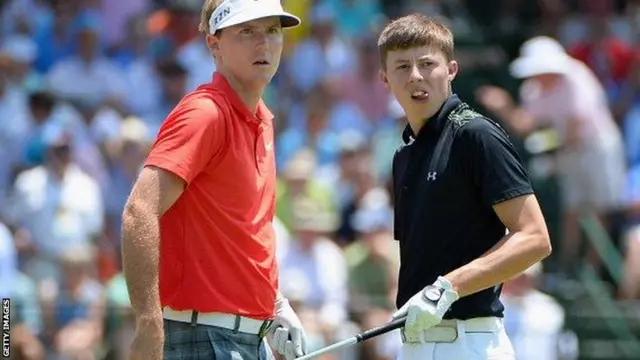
(383, 78)
(213, 44)
(452, 68)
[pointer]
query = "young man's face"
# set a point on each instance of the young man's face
(250, 51)
(420, 79)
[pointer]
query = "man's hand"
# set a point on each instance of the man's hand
(426, 308)
(494, 98)
(148, 340)
(289, 338)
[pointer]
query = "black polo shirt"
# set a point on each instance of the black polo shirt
(446, 181)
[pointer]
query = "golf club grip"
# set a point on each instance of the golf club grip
(368, 334)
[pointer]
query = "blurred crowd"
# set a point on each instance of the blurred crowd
(85, 85)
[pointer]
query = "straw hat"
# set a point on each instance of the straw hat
(310, 216)
(541, 55)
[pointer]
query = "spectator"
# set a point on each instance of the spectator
(55, 36)
(563, 94)
(357, 17)
(631, 287)
(373, 103)
(87, 77)
(15, 126)
(8, 261)
(316, 259)
(173, 85)
(605, 53)
(137, 59)
(20, 52)
(41, 107)
(125, 154)
(534, 320)
(356, 185)
(76, 306)
(299, 181)
(314, 131)
(26, 320)
(373, 260)
(322, 54)
(58, 204)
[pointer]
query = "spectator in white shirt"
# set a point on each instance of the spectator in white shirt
(58, 204)
(8, 262)
(317, 260)
(535, 320)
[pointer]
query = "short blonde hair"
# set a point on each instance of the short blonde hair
(413, 31)
(205, 14)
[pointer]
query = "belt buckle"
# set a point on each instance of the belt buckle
(455, 337)
(265, 328)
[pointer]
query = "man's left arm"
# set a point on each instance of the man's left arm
(526, 243)
(498, 173)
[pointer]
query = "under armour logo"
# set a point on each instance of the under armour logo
(431, 176)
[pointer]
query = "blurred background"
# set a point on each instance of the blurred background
(85, 85)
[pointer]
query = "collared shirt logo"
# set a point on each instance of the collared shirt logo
(431, 176)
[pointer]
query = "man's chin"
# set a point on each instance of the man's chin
(421, 109)
(259, 78)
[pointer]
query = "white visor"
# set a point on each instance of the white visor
(234, 12)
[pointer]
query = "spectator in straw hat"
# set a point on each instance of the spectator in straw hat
(299, 179)
(321, 261)
(564, 94)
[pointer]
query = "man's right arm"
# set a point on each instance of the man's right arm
(154, 192)
(187, 141)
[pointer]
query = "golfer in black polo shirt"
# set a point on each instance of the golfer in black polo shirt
(459, 188)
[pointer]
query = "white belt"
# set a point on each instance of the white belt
(227, 321)
(447, 331)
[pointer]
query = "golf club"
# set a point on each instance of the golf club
(366, 335)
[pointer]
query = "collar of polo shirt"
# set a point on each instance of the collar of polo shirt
(234, 12)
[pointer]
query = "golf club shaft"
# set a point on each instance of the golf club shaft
(366, 335)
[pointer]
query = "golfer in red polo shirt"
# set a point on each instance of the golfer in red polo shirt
(198, 241)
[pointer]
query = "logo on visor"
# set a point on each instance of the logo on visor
(221, 16)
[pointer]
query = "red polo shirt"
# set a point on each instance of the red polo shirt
(217, 250)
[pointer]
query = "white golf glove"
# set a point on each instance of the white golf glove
(426, 308)
(288, 336)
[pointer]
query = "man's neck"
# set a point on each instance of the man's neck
(416, 124)
(249, 97)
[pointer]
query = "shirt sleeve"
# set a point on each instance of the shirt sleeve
(189, 138)
(492, 162)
